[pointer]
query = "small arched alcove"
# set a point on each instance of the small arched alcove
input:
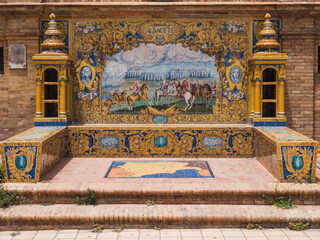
(269, 92)
(50, 84)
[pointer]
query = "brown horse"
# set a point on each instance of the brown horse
(123, 98)
(194, 90)
(131, 99)
(205, 92)
(116, 100)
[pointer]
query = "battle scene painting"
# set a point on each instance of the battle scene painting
(160, 76)
(160, 71)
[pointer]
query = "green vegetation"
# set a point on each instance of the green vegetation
(45, 181)
(1, 174)
(97, 228)
(283, 201)
(150, 202)
(251, 226)
(118, 229)
(8, 198)
(13, 234)
(298, 226)
(47, 203)
(90, 199)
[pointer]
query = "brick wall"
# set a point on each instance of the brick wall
(317, 86)
(299, 42)
(17, 91)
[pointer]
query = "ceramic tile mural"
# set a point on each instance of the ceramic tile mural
(298, 161)
(30, 154)
(168, 71)
(284, 134)
(159, 169)
(21, 162)
(266, 153)
(288, 155)
(53, 150)
(34, 134)
(160, 141)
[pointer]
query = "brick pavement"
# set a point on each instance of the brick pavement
(165, 234)
(93, 170)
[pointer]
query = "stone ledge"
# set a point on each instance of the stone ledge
(143, 216)
(169, 193)
(156, 3)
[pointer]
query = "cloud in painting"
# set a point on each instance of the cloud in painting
(151, 54)
(154, 61)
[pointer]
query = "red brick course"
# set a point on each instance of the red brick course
(169, 193)
(28, 217)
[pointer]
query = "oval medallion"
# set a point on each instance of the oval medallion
(109, 143)
(160, 119)
(212, 142)
(161, 141)
(235, 74)
(297, 162)
(21, 162)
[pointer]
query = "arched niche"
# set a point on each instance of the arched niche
(51, 88)
(269, 92)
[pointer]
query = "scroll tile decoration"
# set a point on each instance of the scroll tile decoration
(21, 162)
(29, 155)
(288, 155)
(147, 141)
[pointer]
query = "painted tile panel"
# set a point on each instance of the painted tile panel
(159, 169)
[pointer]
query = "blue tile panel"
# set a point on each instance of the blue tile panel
(270, 124)
(50, 124)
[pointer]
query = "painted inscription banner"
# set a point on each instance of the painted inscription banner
(167, 71)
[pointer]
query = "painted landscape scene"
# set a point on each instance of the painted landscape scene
(160, 76)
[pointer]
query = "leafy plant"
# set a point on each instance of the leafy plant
(250, 226)
(90, 199)
(97, 228)
(283, 201)
(47, 203)
(298, 226)
(118, 229)
(150, 202)
(8, 198)
(1, 174)
(13, 234)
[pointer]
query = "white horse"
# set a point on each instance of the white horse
(158, 93)
(189, 98)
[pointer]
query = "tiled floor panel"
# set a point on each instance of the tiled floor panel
(159, 169)
(223, 169)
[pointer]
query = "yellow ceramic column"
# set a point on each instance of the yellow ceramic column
(251, 87)
(62, 113)
(39, 113)
(257, 100)
(281, 112)
(68, 97)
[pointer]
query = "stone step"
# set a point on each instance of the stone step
(169, 192)
(63, 216)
